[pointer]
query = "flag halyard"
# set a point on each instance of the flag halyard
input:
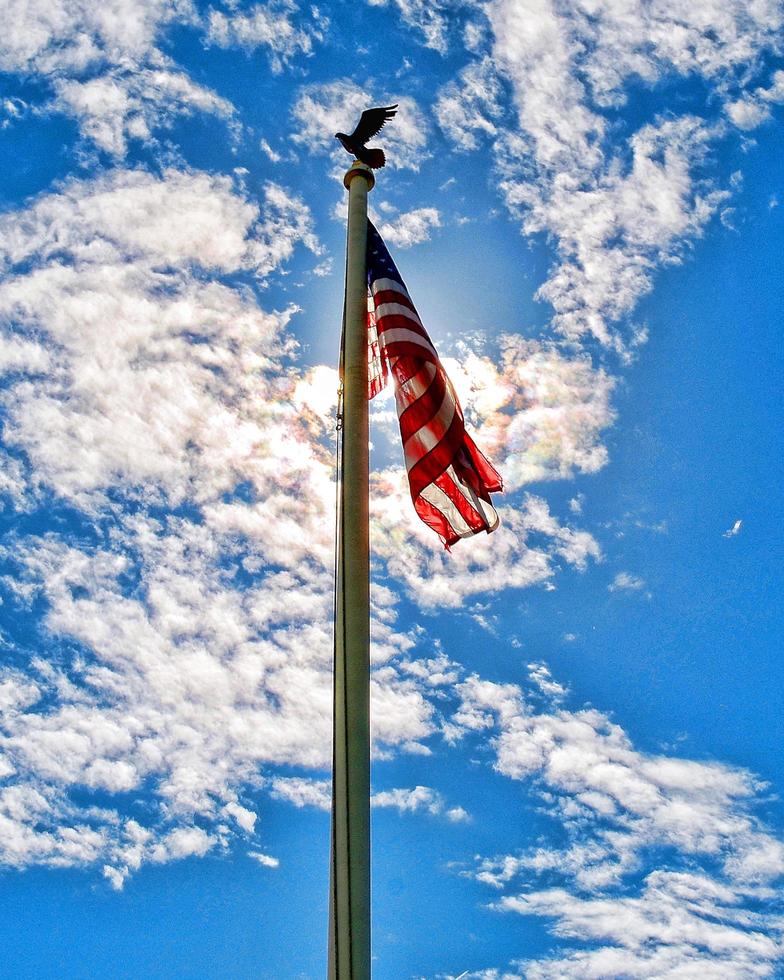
(449, 478)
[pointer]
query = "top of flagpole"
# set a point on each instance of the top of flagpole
(358, 169)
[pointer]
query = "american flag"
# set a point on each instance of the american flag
(450, 479)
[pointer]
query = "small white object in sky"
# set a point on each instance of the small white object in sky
(735, 529)
(626, 581)
(265, 859)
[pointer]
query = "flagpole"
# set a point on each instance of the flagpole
(349, 900)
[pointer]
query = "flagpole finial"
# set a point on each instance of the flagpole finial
(359, 169)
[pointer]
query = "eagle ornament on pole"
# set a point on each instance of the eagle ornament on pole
(370, 124)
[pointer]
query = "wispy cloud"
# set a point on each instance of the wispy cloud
(106, 68)
(152, 400)
(626, 582)
(416, 800)
(617, 207)
(667, 869)
(276, 27)
(411, 227)
(433, 19)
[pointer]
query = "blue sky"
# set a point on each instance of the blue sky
(577, 764)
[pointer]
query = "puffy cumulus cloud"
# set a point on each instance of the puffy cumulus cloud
(110, 282)
(754, 108)
(301, 791)
(106, 70)
(416, 800)
(525, 550)
(51, 37)
(132, 214)
(321, 110)
(117, 106)
(212, 666)
(566, 61)
(271, 26)
(616, 209)
(199, 657)
(471, 104)
(411, 227)
(151, 400)
(161, 410)
(166, 683)
(710, 897)
(680, 925)
(536, 411)
(626, 582)
(614, 234)
(104, 66)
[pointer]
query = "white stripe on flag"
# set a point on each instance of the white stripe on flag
(481, 506)
(401, 334)
(384, 285)
(396, 309)
(436, 497)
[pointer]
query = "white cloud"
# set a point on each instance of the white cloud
(106, 70)
(103, 64)
(706, 903)
(268, 151)
(612, 235)
(69, 36)
(616, 210)
(524, 551)
(626, 582)
(536, 412)
(105, 257)
(265, 860)
(420, 799)
(241, 815)
(411, 227)
(270, 26)
(152, 396)
(121, 105)
(303, 792)
(470, 105)
(753, 108)
(747, 113)
(680, 925)
(432, 18)
(189, 631)
(542, 679)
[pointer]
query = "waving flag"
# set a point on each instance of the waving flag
(450, 479)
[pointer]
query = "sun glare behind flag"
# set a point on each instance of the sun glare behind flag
(449, 478)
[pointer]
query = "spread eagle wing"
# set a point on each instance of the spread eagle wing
(371, 122)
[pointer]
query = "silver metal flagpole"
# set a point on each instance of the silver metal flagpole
(349, 900)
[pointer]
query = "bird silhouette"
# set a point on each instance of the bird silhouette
(370, 122)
